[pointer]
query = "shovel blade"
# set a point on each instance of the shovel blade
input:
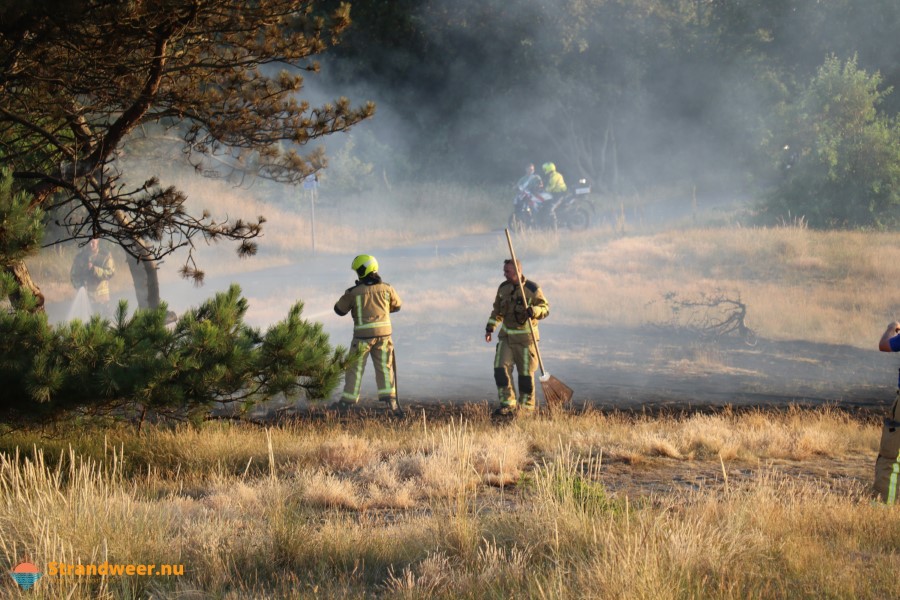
(557, 394)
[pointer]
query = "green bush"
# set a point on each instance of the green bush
(841, 168)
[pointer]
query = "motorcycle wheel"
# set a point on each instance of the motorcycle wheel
(516, 225)
(578, 218)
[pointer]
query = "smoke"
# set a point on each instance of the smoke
(640, 98)
(609, 347)
(585, 87)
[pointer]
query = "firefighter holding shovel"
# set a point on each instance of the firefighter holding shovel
(517, 318)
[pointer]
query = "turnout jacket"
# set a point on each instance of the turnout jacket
(93, 272)
(509, 311)
(370, 302)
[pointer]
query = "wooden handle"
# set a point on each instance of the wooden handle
(512, 253)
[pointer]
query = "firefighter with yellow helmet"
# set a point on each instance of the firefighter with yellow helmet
(370, 302)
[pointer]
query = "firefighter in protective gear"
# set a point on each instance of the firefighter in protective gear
(517, 318)
(92, 269)
(555, 182)
(370, 303)
(887, 463)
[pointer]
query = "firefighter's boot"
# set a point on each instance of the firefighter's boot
(527, 405)
(508, 406)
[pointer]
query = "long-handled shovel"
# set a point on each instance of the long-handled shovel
(556, 393)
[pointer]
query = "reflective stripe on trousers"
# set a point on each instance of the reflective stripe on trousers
(892, 484)
(382, 351)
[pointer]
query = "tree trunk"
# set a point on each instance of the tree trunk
(145, 276)
(20, 271)
(144, 272)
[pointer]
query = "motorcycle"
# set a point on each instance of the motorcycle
(539, 210)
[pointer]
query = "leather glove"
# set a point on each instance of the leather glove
(530, 312)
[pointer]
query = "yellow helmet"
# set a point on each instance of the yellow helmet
(364, 265)
(549, 167)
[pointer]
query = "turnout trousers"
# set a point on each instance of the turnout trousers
(523, 357)
(381, 349)
(887, 464)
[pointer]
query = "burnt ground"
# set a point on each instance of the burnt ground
(655, 370)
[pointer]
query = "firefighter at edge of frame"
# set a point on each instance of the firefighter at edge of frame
(517, 319)
(890, 341)
(887, 463)
(370, 302)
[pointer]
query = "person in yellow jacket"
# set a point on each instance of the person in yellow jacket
(516, 317)
(555, 182)
(92, 269)
(370, 302)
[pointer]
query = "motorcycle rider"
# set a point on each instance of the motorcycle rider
(530, 182)
(555, 182)
(556, 187)
(528, 190)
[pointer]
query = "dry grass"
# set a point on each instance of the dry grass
(798, 284)
(591, 505)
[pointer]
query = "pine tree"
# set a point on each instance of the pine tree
(137, 364)
(20, 234)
